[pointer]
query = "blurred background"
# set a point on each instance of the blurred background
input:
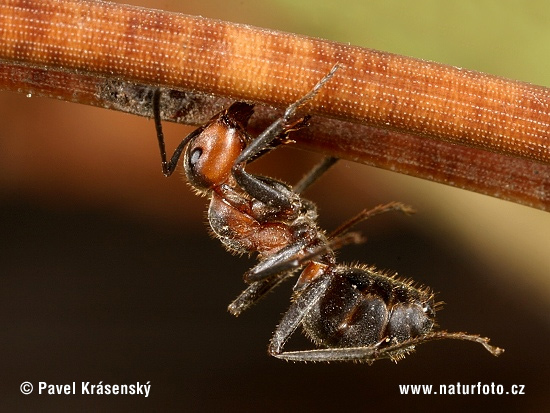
(107, 271)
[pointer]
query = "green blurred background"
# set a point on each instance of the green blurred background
(108, 272)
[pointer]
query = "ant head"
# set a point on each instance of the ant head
(213, 149)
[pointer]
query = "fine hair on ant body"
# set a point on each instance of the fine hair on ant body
(352, 313)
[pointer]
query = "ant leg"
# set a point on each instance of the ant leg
(271, 275)
(314, 174)
(369, 213)
(255, 292)
(292, 256)
(282, 139)
(309, 298)
(278, 126)
(295, 314)
(252, 184)
(260, 189)
(372, 353)
(285, 259)
(168, 167)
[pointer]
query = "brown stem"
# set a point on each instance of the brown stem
(386, 105)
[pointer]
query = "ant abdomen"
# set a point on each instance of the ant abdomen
(362, 307)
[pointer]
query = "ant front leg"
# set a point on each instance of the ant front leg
(254, 185)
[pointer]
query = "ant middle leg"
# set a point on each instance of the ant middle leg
(266, 276)
(369, 213)
(256, 291)
(269, 273)
(314, 174)
(296, 255)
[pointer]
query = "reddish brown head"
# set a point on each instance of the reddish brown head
(210, 155)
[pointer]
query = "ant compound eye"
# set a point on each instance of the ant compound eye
(195, 156)
(197, 167)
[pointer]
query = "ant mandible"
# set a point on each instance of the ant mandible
(355, 312)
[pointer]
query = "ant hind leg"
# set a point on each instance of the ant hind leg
(370, 354)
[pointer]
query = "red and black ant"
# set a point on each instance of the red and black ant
(355, 313)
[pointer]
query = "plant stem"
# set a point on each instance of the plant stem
(442, 123)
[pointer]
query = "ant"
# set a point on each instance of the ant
(355, 313)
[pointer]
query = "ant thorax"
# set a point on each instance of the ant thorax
(245, 225)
